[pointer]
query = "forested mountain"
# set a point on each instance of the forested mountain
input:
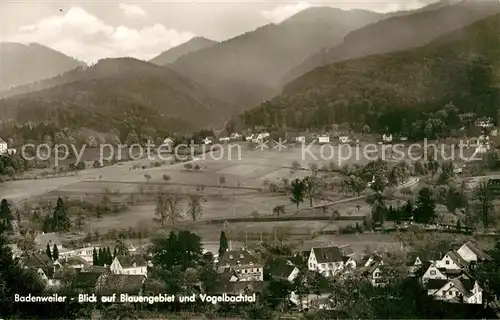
(102, 97)
(171, 55)
(402, 32)
(403, 92)
(247, 69)
(22, 64)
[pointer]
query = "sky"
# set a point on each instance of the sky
(92, 29)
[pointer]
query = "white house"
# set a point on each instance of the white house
(260, 137)
(300, 139)
(432, 273)
(470, 252)
(224, 139)
(133, 265)
(460, 290)
(235, 136)
(85, 253)
(329, 261)
(168, 141)
(3, 146)
(387, 138)
(249, 138)
(247, 267)
(344, 139)
(452, 261)
(207, 140)
(324, 139)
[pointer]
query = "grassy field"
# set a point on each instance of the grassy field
(242, 194)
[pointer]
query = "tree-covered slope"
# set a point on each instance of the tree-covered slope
(396, 90)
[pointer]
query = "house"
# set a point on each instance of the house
(324, 139)
(484, 122)
(343, 139)
(470, 252)
(261, 137)
(77, 263)
(246, 266)
(224, 139)
(51, 239)
(85, 253)
(429, 271)
(285, 270)
(376, 272)
(44, 267)
(207, 140)
(3, 146)
(134, 265)
(168, 141)
(249, 138)
(108, 284)
(452, 261)
(413, 263)
(460, 290)
(387, 138)
(300, 139)
(85, 282)
(235, 136)
(312, 301)
(329, 260)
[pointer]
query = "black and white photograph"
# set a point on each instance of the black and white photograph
(249, 159)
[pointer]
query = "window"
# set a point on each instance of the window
(331, 265)
(447, 262)
(432, 272)
(310, 265)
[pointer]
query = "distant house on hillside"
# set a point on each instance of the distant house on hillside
(470, 252)
(85, 253)
(344, 139)
(3, 146)
(224, 139)
(235, 136)
(300, 139)
(387, 138)
(207, 141)
(261, 137)
(168, 141)
(324, 139)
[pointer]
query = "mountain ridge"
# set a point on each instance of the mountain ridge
(172, 54)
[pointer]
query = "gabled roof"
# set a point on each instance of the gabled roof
(282, 270)
(49, 238)
(436, 283)
(477, 251)
(128, 261)
(85, 280)
(120, 283)
(457, 259)
(38, 260)
(236, 257)
(72, 261)
(463, 285)
(346, 250)
(327, 254)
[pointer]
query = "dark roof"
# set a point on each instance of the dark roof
(73, 261)
(282, 270)
(423, 268)
(235, 257)
(128, 261)
(38, 260)
(436, 283)
(120, 283)
(96, 269)
(346, 250)
(463, 285)
(85, 280)
(457, 259)
(477, 251)
(327, 254)
(227, 274)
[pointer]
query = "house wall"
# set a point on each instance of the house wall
(250, 272)
(3, 148)
(433, 273)
(84, 253)
(293, 275)
(447, 263)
